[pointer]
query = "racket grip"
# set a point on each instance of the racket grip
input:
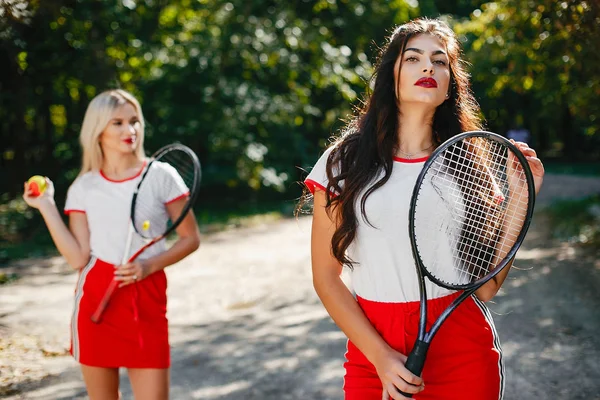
(416, 361)
(104, 302)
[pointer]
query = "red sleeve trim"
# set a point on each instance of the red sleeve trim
(186, 194)
(313, 185)
(67, 212)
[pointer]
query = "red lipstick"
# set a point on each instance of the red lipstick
(426, 83)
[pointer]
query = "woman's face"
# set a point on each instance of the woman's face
(423, 71)
(122, 132)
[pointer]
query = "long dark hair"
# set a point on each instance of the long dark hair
(368, 143)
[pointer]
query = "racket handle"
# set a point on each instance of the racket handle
(104, 302)
(416, 361)
(114, 284)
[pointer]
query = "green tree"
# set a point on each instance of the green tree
(538, 61)
(251, 86)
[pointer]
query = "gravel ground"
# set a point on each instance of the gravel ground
(245, 321)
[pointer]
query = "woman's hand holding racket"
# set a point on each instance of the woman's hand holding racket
(132, 272)
(175, 169)
(535, 164)
(393, 374)
(470, 210)
(517, 183)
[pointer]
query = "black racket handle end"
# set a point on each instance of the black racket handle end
(416, 361)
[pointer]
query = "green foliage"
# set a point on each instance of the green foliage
(253, 87)
(7, 278)
(257, 87)
(536, 63)
(22, 231)
(580, 169)
(577, 221)
(15, 218)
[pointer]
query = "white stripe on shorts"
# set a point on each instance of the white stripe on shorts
(78, 296)
(488, 317)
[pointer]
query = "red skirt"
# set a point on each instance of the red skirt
(133, 332)
(464, 360)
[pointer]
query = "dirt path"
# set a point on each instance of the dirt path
(245, 321)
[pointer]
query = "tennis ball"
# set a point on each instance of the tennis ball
(37, 185)
(146, 225)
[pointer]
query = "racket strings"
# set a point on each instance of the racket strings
(482, 195)
(171, 176)
(183, 163)
(463, 250)
(483, 219)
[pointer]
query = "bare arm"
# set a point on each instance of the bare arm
(345, 311)
(73, 243)
(512, 228)
(188, 241)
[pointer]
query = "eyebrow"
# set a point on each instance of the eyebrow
(435, 53)
(120, 119)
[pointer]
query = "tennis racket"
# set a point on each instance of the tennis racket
(172, 169)
(470, 210)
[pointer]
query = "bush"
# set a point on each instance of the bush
(16, 220)
(577, 221)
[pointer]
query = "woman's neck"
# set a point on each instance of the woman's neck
(119, 166)
(415, 133)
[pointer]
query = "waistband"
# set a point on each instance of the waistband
(99, 261)
(434, 306)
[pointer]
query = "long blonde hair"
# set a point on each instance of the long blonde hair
(97, 116)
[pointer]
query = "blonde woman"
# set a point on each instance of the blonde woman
(134, 329)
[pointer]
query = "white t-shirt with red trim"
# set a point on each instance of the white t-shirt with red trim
(385, 270)
(107, 206)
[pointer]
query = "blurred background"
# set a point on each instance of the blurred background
(257, 87)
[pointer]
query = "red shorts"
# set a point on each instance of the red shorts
(133, 332)
(464, 359)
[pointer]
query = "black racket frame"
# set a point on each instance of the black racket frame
(193, 189)
(416, 358)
